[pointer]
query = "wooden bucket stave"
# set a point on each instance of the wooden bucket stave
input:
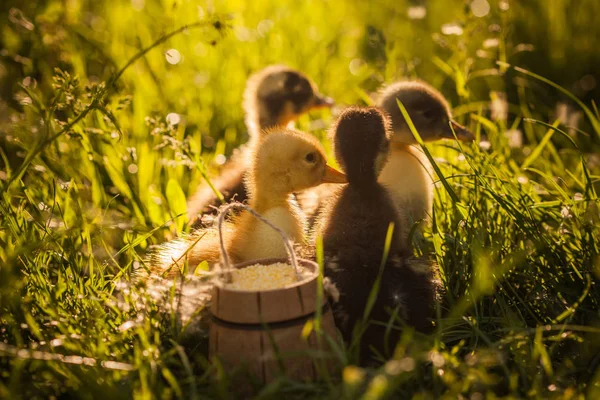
(271, 349)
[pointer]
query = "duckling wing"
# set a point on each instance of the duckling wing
(408, 285)
(169, 258)
(406, 296)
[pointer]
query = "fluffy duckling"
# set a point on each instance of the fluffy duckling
(275, 96)
(286, 161)
(354, 225)
(408, 173)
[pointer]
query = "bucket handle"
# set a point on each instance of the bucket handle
(286, 240)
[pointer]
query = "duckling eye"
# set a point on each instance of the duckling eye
(429, 114)
(311, 157)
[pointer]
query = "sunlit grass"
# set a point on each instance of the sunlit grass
(93, 173)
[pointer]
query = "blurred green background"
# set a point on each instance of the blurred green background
(349, 48)
(518, 252)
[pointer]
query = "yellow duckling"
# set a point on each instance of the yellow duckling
(408, 173)
(275, 96)
(286, 161)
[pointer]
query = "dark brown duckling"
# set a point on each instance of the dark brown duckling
(275, 96)
(353, 226)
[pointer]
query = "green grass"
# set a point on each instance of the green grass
(91, 175)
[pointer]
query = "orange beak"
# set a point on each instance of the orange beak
(322, 101)
(333, 176)
(462, 133)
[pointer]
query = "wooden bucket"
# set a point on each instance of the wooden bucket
(263, 330)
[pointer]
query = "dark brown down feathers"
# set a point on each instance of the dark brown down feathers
(354, 225)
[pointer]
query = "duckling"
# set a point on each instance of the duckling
(275, 96)
(354, 225)
(286, 161)
(408, 173)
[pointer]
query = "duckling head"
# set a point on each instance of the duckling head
(361, 138)
(289, 161)
(428, 109)
(278, 95)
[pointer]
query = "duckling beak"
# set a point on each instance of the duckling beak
(333, 176)
(462, 133)
(323, 101)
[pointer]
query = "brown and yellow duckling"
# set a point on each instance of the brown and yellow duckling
(275, 96)
(408, 175)
(286, 161)
(354, 225)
